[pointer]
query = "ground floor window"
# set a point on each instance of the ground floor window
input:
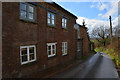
(64, 48)
(78, 46)
(27, 54)
(51, 49)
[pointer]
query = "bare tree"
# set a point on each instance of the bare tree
(100, 33)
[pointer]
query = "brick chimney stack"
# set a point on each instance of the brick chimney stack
(83, 22)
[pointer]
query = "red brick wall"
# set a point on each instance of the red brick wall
(92, 46)
(18, 33)
(83, 35)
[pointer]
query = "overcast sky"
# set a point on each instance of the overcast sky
(95, 13)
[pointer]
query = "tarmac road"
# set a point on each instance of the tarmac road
(98, 66)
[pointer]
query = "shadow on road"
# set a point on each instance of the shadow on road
(93, 71)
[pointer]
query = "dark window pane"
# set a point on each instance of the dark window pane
(53, 51)
(65, 47)
(66, 44)
(23, 14)
(63, 20)
(65, 25)
(53, 22)
(31, 50)
(62, 24)
(53, 16)
(49, 52)
(31, 9)
(65, 51)
(24, 58)
(31, 16)
(49, 47)
(24, 51)
(49, 20)
(53, 46)
(32, 56)
(62, 48)
(48, 15)
(23, 6)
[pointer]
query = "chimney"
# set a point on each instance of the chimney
(83, 22)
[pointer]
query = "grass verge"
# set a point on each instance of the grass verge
(112, 53)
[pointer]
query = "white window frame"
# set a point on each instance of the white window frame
(27, 11)
(28, 56)
(78, 33)
(64, 48)
(50, 18)
(52, 54)
(64, 22)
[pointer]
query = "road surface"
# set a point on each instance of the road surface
(98, 66)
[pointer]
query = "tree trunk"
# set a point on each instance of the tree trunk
(104, 43)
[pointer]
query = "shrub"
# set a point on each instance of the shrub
(83, 58)
(93, 52)
(100, 49)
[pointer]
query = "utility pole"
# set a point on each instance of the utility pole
(110, 30)
(119, 43)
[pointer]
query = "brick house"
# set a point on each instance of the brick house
(83, 41)
(37, 36)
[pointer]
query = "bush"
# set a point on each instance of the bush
(93, 52)
(83, 58)
(100, 49)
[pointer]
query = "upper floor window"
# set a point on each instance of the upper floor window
(51, 49)
(64, 22)
(27, 54)
(78, 33)
(27, 11)
(51, 18)
(64, 48)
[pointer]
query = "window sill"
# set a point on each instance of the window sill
(29, 63)
(78, 50)
(51, 26)
(28, 21)
(65, 29)
(50, 57)
(64, 54)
